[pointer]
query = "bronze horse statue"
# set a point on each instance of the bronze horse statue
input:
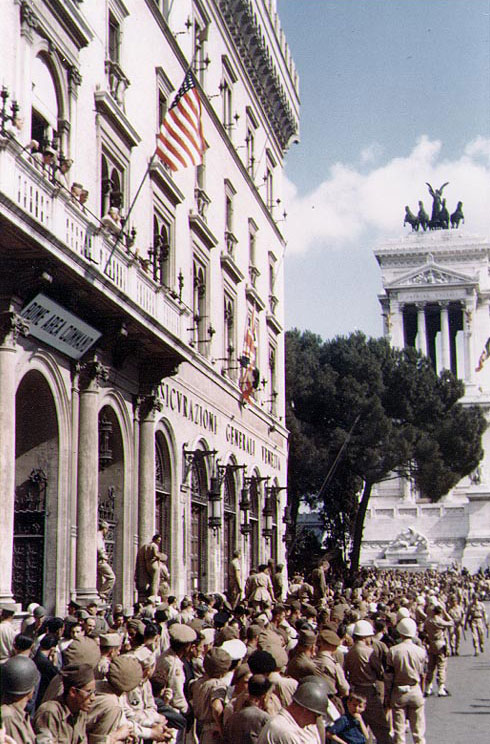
(457, 216)
(411, 219)
(423, 217)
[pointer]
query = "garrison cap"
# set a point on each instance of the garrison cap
(110, 640)
(328, 636)
(182, 633)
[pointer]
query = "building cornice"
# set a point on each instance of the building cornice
(249, 40)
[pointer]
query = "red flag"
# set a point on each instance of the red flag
(181, 140)
(250, 355)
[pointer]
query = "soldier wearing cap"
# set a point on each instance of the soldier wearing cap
(106, 577)
(19, 678)
(169, 671)
(7, 632)
(327, 643)
(110, 644)
(209, 693)
(301, 661)
(363, 668)
(64, 720)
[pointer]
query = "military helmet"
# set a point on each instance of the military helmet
(19, 676)
(407, 627)
(363, 628)
(313, 696)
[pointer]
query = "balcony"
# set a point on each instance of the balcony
(60, 227)
(118, 82)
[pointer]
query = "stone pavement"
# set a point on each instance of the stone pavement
(464, 717)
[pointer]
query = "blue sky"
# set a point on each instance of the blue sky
(394, 93)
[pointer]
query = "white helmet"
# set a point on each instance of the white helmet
(363, 628)
(407, 627)
(402, 612)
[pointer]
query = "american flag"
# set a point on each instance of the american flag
(250, 354)
(181, 140)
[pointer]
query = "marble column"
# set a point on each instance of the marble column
(445, 354)
(421, 330)
(148, 405)
(92, 373)
(11, 326)
(394, 324)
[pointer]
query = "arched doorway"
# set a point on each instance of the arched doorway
(163, 487)
(36, 480)
(229, 521)
(111, 486)
(198, 574)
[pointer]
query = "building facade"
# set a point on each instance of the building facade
(123, 319)
(436, 298)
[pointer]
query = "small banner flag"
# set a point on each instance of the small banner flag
(181, 140)
(483, 356)
(248, 375)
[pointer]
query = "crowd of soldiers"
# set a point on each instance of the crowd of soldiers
(273, 662)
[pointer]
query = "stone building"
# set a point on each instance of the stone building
(436, 297)
(122, 352)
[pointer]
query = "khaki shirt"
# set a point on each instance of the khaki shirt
(300, 666)
(55, 722)
(408, 662)
(327, 665)
(170, 671)
(283, 729)
(362, 665)
(17, 723)
(435, 629)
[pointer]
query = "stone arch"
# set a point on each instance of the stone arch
(37, 494)
(114, 487)
(62, 511)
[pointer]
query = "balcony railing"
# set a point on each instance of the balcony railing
(86, 242)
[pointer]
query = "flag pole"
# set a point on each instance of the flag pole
(125, 221)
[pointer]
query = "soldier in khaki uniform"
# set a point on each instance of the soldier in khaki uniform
(406, 666)
(301, 660)
(363, 668)
(476, 618)
(19, 678)
(456, 613)
(64, 720)
(169, 672)
(435, 628)
(110, 644)
(326, 663)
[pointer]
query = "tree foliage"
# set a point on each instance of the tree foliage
(360, 412)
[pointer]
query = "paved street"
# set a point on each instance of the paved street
(463, 718)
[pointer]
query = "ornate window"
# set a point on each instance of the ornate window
(199, 307)
(161, 251)
(112, 184)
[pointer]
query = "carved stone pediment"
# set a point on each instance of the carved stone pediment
(433, 275)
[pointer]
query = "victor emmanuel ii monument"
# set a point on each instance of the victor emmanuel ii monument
(436, 297)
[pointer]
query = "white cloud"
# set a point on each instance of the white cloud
(350, 205)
